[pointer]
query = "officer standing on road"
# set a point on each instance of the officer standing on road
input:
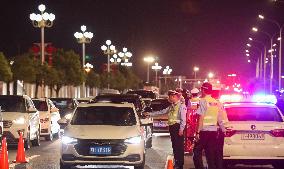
(209, 119)
(176, 120)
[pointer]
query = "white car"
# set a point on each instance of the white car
(255, 134)
(104, 134)
(49, 115)
(20, 115)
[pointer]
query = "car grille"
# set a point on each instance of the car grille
(117, 146)
(7, 123)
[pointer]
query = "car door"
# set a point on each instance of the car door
(34, 121)
(54, 117)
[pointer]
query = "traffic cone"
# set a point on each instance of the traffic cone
(4, 161)
(21, 157)
(170, 164)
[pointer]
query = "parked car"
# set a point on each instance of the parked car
(84, 99)
(140, 107)
(20, 115)
(66, 106)
(103, 134)
(49, 115)
(147, 95)
(160, 122)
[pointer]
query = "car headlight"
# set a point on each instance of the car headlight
(68, 140)
(68, 116)
(133, 140)
(20, 120)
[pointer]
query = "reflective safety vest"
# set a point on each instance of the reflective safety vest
(173, 115)
(211, 115)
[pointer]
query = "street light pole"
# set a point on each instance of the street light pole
(195, 69)
(156, 67)
(149, 60)
(83, 37)
(108, 49)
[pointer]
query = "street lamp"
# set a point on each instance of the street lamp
(280, 27)
(88, 67)
(41, 21)
(259, 62)
(83, 38)
(210, 75)
(115, 59)
(108, 49)
(149, 60)
(156, 67)
(254, 29)
(125, 56)
(195, 69)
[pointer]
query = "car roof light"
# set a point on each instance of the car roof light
(264, 99)
(230, 98)
(259, 98)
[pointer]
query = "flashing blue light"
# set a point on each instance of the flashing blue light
(261, 98)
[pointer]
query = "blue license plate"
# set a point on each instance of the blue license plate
(100, 150)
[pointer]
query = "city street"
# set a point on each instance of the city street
(48, 154)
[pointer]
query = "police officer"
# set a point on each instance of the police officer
(176, 120)
(209, 119)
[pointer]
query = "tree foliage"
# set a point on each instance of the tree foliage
(24, 68)
(5, 69)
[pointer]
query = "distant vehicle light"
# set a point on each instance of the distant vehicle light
(259, 98)
(264, 99)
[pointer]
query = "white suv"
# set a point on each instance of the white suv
(20, 115)
(49, 115)
(103, 134)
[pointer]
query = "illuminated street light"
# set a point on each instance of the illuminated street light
(249, 45)
(210, 75)
(83, 38)
(149, 60)
(247, 54)
(41, 21)
(280, 27)
(195, 69)
(108, 49)
(115, 59)
(125, 56)
(156, 68)
(167, 70)
(88, 67)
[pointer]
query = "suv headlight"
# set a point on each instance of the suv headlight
(133, 140)
(68, 140)
(20, 120)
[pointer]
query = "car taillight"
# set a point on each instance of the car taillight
(277, 132)
(229, 132)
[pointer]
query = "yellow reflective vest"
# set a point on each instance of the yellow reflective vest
(211, 114)
(173, 114)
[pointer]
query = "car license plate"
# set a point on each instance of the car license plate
(100, 150)
(253, 136)
(160, 124)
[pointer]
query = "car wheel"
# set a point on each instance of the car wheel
(27, 142)
(141, 166)
(64, 166)
(36, 141)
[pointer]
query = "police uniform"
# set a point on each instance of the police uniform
(211, 113)
(177, 121)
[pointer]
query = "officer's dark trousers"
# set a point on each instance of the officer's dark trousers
(220, 146)
(177, 145)
(207, 142)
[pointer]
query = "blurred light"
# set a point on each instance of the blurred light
(108, 42)
(248, 61)
(254, 29)
(274, 44)
(260, 16)
(247, 51)
(248, 45)
(149, 59)
(41, 7)
(210, 75)
(278, 38)
(83, 28)
(247, 54)
(196, 69)
(261, 98)
(250, 39)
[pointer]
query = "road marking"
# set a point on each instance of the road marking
(34, 156)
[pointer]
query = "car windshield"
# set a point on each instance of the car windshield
(63, 103)
(104, 115)
(253, 114)
(12, 104)
(143, 94)
(40, 105)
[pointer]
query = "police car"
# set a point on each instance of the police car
(255, 131)
(104, 134)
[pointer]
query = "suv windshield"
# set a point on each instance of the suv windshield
(104, 115)
(143, 93)
(253, 114)
(12, 104)
(40, 105)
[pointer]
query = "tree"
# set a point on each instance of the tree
(132, 79)
(5, 69)
(93, 79)
(69, 69)
(24, 69)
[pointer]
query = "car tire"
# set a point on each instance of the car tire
(64, 166)
(27, 142)
(141, 166)
(36, 141)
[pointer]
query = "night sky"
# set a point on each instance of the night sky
(210, 34)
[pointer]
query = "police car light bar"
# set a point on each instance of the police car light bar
(259, 98)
